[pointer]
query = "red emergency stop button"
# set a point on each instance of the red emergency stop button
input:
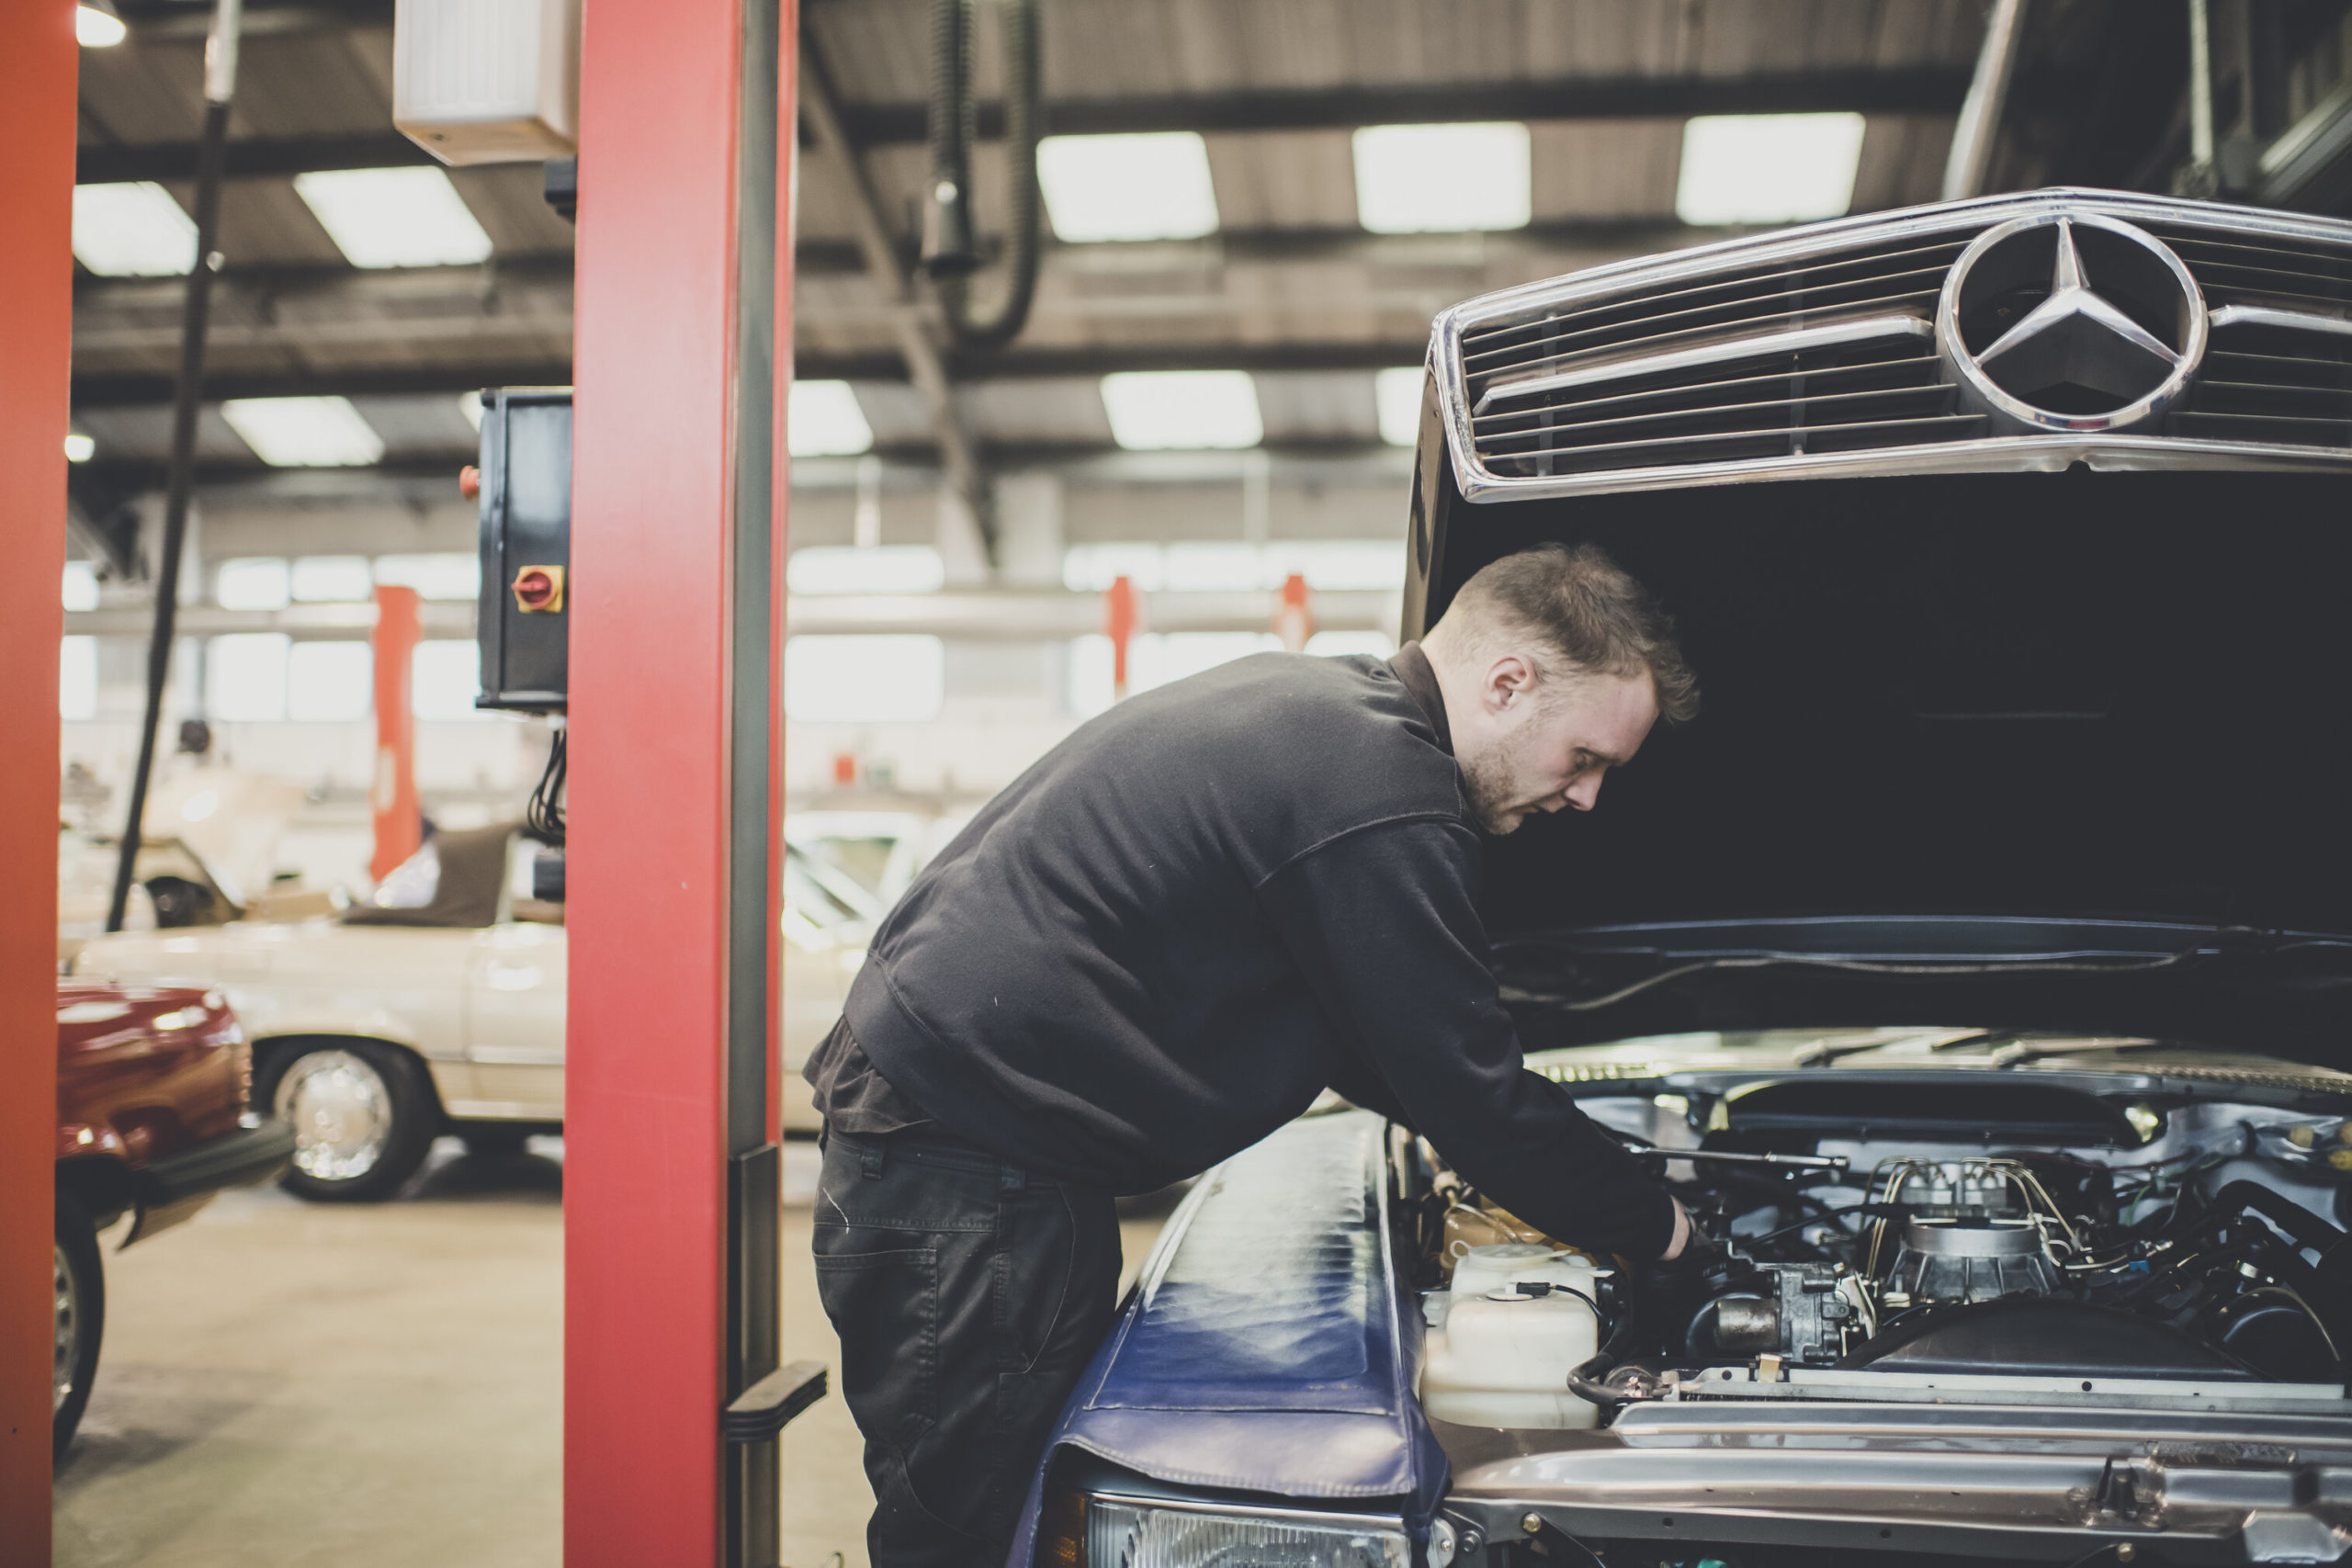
(539, 589)
(469, 483)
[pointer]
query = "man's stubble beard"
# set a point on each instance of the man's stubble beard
(1493, 783)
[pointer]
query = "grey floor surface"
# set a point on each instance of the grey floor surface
(380, 1386)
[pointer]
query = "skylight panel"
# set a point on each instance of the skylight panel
(1151, 186)
(1768, 168)
(380, 218)
(304, 433)
(824, 421)
(1156, 410)
(1397, 393)
(133, 229)
(1415, 179)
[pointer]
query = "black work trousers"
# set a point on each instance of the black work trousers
(969, 1295)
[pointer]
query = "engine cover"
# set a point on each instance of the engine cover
(1962, 1261)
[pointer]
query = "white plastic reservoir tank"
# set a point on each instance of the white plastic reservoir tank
(1500, 1356)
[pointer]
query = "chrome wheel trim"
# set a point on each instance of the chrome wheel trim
(341, 1111)
(69, 1331)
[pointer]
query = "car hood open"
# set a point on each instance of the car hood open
(2118, 696)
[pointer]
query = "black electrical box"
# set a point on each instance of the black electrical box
(525, 625)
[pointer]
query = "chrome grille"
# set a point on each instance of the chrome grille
(1881, 390)
(2264, 379)
(1666, 376)
(1816, 349)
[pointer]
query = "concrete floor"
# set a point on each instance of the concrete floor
(380, 1386)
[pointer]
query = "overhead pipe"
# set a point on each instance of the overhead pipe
(926, 365)
(1972, 138)
(2199, 178)
(219, 89)
(951, 253)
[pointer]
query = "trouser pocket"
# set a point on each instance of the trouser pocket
(885, 1304)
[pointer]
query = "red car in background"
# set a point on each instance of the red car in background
(152, 1084)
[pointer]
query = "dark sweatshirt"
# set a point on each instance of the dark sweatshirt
(1160, 942)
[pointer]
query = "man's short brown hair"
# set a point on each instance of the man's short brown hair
(1574, 600)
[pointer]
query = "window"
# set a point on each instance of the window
(77, 678)
(451, 576)
(329, 682)
(444, 677)
(252, 582)
(1153, 659)
(245, 676)
(878, 568)
(1094, 567)
(330, 580)
(864, 680)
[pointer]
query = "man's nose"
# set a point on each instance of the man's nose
(1583, 795)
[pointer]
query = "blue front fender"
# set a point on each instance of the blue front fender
(1271, 1342)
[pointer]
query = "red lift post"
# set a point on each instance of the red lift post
(392, 788)
(37, 64)
(674, 839)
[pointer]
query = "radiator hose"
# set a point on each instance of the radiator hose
(951, 255)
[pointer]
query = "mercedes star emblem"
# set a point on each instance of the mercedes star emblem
(2071, 321)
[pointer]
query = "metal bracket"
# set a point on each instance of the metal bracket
(760, 1410)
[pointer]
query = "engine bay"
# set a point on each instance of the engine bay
(1868, 1242)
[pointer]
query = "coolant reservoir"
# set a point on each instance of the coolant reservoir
(1501, 1355)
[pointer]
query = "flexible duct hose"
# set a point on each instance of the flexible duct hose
(950, 250)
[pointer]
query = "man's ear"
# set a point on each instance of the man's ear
(1510, 677)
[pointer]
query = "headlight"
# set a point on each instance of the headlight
(1132, 1532)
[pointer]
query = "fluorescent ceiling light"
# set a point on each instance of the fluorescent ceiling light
(133, 229)
(1396, 392)
(1153, 411)
(304, 433)
(1768, 168)
(409, 216)
(80, 585)
(824, 421)
(95, 26)
(1413, 179)
(80, 448)
(1153, 186)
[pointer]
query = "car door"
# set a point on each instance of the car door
(514, 1008)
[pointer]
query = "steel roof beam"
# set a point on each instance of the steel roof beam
(1927, 91)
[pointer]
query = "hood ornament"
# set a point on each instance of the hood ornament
(2111, 340)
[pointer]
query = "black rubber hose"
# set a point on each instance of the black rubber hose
(951, 252)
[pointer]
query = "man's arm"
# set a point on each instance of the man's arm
(1382, 922)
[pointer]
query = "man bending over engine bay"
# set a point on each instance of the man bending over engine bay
(1160, 943)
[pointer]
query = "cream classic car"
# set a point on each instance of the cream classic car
(438, 1005)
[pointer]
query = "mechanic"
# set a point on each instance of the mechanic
(1160, 943)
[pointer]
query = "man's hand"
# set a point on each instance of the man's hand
(1682, 1233)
